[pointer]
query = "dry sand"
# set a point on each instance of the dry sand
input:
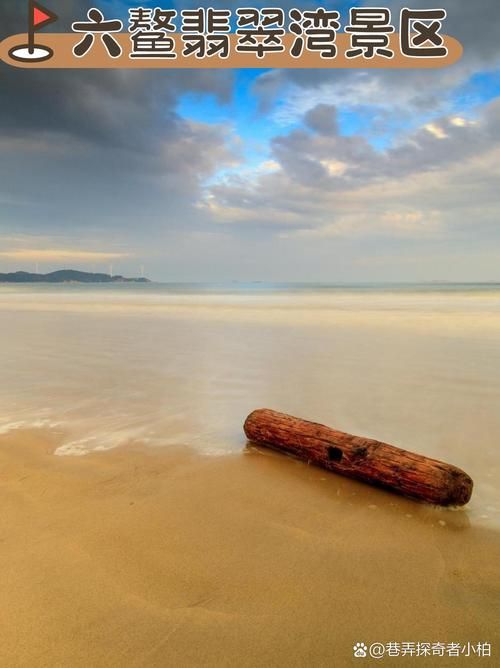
(160, 557)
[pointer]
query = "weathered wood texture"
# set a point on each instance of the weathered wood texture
(372, 461)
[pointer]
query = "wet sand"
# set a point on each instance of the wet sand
(156, 538)
(164, 557)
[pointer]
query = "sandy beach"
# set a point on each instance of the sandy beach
(147, 557)
(138, 528)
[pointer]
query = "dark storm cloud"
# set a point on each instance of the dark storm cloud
(101, 149)
(118, 108)
(115, 107)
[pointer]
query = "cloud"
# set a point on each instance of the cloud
(104, 152)
(322, 119)
(434, 182)
(107, 108)
(60, 255)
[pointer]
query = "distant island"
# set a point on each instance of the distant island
(67, 276)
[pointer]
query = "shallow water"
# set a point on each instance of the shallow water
(417, 366)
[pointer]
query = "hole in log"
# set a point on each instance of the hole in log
(334, 454)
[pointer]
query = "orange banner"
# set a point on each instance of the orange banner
(62, 46)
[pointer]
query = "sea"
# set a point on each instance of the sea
(181, 365)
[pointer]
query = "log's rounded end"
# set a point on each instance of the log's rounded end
(460, 488)
(247, 427)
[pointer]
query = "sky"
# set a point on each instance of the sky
(255, 175)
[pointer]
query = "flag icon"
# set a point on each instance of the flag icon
(38, 17)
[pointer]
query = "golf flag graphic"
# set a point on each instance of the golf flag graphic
(38, 17)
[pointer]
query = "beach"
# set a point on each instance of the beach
(139, 527)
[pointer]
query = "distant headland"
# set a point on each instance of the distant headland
(67, 276)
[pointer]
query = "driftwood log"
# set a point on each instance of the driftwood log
(374, 462)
